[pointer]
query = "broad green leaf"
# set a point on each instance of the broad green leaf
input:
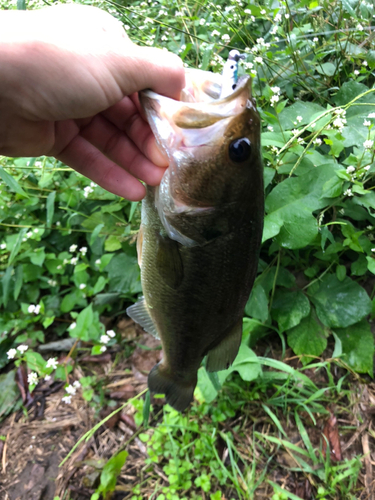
(50, 208)
(11, 182)
(9, 394)
(246, 364)
(123, 274)
(99, 285)
(35, 361)
(38, 256)
(340, 272)
(112, 243)
(340, 303)
(288, 117)
(359, 267)
(72, 300)
(327, 69)
(357, 346)
(292, 202)
(257, 305)
(308, 338)
(371, 264)
(289, 308)
(83, 324)
(205, 390)
(18, 281)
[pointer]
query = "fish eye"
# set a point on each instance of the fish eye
(240, 150)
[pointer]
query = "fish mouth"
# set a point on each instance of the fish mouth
(200, 117)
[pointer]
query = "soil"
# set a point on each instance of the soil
(34, 448)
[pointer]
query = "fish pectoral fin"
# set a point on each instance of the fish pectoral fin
(169, 262)
(223, 355)
(140, 245)
(138, 312)
(177, 393)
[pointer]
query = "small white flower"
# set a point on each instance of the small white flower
(252, 19)
(82, 286)
(93, 185)
(71, 390)
(202, 22)
(11, 353)
(103, 348)
(29, 234)
(22, 348)
(277, 18)
(348, 192)
(52, 282)
(52, 363)
(37, 309)
(87, 190)
(274, 30)
(76, 384)
(275, 90)
(73, 325)
(360, 27)
(274, 99)
(318, 141)
(299, 119)
(259, 60)
(97, 262)
(32, 378)
(225, 38)
(263, 12)
(356, 72)
(83, 250)
(287, 16)
(270, 128)
(367, 167)
(350, 169)
(3, 246)
(366, 123)
(104, 339)
(247, 11)
(67, 400)
(371, 115)
(364, 63)
(111, 333)
(31, 308)
(47, 378)
(215, 33)
(58, 223)
(315, 39)
(72, 248)
(368, 144)
(372, 249)
(74, 261)
(36, 230)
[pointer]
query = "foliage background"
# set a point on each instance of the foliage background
(67, 247)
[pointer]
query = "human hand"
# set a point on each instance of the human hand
(68, 88)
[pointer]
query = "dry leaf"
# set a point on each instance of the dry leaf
(331, 433)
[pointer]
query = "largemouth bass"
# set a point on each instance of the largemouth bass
(201, 230)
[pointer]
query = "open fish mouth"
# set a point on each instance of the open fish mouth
(201, 116)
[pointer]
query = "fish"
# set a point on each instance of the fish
(201, 229)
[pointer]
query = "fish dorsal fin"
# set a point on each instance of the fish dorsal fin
(140, 314)
(169, 262)
(223, 355)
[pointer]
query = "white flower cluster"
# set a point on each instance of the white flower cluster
(276, 95)
(71, 391)
(34, 309)
(348, 192)
(13, 352)
(368, 144)
(104, 339)
(89, 189)
(340, 121)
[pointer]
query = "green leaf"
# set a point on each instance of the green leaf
(299, 108)
(246, 364)
(9, 394)
(326, 69)
(340, 272)
(84, 324)
(99, 285)
(17, 245)
(11, 182)
(6, 281)
(359, 267)
(95, 233)
(357, 346)
(50, 208)
(72, 300)
(18, 281)
(340, 303)
(21, 4)
(371, 264)
(146, 409)
(38, 256)
(112, 243)
(289, 308)
(205, 389)
(308, 338)
(123, 274)
(35, 361)
(111, 471)
(257, 305)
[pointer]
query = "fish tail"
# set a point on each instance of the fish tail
(177, 393)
